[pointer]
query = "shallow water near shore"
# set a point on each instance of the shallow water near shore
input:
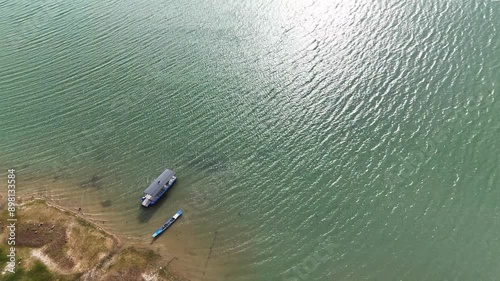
(313, 140)
(189, 248)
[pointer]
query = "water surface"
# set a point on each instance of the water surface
(320, 140)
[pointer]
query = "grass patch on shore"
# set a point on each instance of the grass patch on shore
(16, 276)
(85, 223)
(56, 244)
(88, 245)
(39, 272)
(130, 263)
(57, 251)
(140, 256)
(3, 257)
(64, 237)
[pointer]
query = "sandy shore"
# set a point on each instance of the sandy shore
(63, 233)
(55, 243)
(188, 251)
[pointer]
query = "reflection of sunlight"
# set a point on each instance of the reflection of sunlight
(293, 29)
(298, 41)
(314, 20)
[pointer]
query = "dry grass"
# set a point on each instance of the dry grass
(89, 245)
(75, 247)
(141, 260)
(57, 251)
(38, 234)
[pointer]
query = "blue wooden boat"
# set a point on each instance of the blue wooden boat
(167, 224)
(160, 185)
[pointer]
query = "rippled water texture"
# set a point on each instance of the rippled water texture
(313, 140)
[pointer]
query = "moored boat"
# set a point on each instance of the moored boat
(167, 224)
(156, 190)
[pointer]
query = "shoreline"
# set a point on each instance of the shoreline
(54, 241)
(183, 250)
(73, 213)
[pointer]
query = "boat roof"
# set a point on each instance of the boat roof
(159, 182)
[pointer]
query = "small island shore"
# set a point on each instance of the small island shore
(55, 243)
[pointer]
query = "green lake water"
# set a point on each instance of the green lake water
(320, 140)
